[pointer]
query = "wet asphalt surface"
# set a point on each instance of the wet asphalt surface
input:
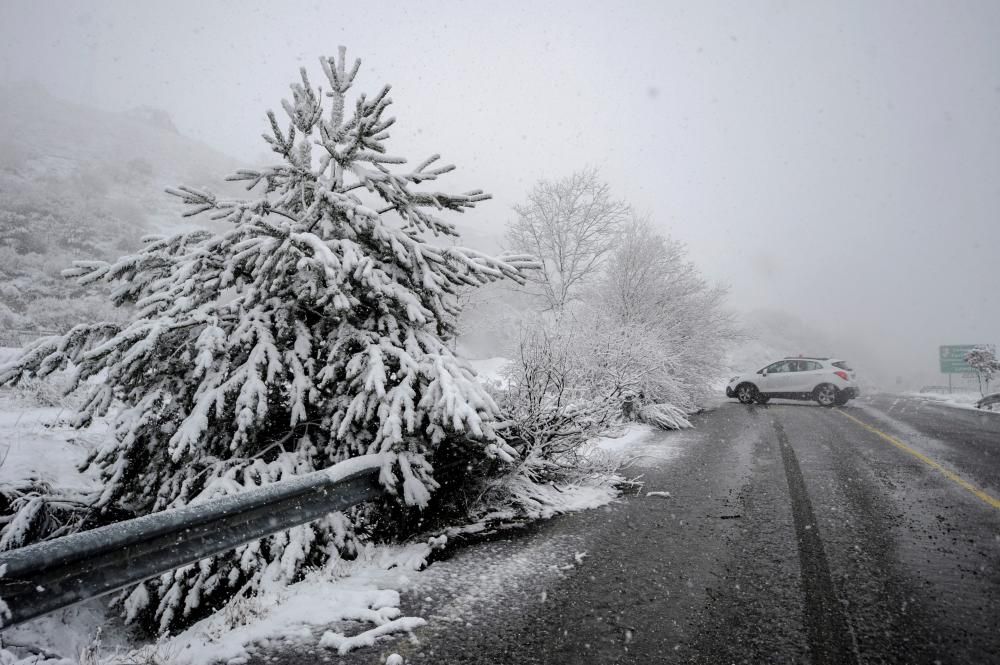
(792, 534)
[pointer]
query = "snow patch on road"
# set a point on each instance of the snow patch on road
(642, 445)
(628, 437)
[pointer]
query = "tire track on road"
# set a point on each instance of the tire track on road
(829, 634)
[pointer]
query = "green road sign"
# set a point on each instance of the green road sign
(953, 358)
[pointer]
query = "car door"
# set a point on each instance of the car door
(789, 378)
(775, 378)
(785, 380)
(809, 377)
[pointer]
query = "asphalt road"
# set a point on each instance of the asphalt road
(792, 534)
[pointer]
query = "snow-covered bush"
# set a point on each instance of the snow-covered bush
(32, 509)
(664, 416)
(570, 381)
(313, 330)
(551, 403)
(679, 320)
(983, 360)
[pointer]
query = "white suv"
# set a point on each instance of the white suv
(827, 380)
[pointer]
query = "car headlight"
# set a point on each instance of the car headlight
(733, 379)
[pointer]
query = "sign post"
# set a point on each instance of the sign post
(952, 359)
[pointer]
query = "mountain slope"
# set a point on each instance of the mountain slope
(82, 183)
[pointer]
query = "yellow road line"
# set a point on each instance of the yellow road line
(966, 485)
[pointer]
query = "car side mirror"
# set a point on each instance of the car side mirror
(762, 372)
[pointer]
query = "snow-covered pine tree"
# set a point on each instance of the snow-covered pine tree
(312, 330)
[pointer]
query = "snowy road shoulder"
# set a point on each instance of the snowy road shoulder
(349, 604)
(466, 585)
(957, 400)
(495, 581)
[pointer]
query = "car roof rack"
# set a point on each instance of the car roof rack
(806, 358)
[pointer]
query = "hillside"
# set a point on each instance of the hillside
(82, 183)
(773, 334)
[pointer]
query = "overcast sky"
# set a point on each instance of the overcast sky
(838, 160)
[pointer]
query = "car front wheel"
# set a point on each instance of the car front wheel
(746, 393)
(826, 395)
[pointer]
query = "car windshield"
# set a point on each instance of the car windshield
(425, 332)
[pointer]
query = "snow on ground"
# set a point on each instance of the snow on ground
(490, 371)
(493, 577)
(35, 444)
(629, 437)
(641, 444)
(8, 354)
(356, 601)
(74, 635)
(959, 400)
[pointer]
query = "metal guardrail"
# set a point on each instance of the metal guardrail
(55, 574)
(988, 400)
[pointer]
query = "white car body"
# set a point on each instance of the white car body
(829, 381)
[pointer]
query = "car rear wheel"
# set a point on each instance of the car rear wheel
(825, 394)
(746, 393)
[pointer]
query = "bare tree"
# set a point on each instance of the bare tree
(570, 224)
(647, 272)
